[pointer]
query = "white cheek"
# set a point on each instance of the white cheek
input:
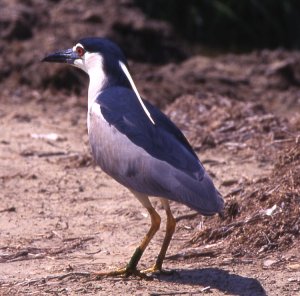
(79, 63)
(92, 62)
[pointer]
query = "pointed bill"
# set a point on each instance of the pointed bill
(125, 70)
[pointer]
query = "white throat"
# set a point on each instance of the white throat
(92, 64)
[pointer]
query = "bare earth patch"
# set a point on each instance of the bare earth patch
(62, 218)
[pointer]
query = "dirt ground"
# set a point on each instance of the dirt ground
(61, 218)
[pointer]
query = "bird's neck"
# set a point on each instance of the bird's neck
(101, 80)
(116, 78)
(96, 85)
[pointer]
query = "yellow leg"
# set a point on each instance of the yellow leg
(131, 269)
(155, 223)
(171, 224)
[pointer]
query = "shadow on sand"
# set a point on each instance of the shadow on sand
(216, 278)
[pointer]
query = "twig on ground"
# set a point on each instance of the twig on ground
(53, 277)
(9, 209)
(34, 253)
(196, 252)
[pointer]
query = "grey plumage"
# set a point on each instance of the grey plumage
(137, 145)
(147, 158)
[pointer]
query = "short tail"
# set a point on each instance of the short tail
(214, 202)
(200, 195)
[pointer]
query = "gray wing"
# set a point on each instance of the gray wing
(163, 140)
(153, 159)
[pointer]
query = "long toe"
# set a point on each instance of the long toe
(123, 272)
(155, 270)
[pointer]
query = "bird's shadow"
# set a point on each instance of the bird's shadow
(219, 279)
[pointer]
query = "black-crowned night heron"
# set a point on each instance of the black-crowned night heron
(136, 144)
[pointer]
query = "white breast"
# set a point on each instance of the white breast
(93, 111)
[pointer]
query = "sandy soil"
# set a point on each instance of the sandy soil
(61, 218)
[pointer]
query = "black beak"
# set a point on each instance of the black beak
(64, 56)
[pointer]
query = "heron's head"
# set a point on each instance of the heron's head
(100, 58)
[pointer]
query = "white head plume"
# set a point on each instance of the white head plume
(126, 72)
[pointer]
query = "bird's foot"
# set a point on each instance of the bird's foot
(155, 270)
(125, 272)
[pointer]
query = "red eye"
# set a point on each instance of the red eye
(80, 51)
